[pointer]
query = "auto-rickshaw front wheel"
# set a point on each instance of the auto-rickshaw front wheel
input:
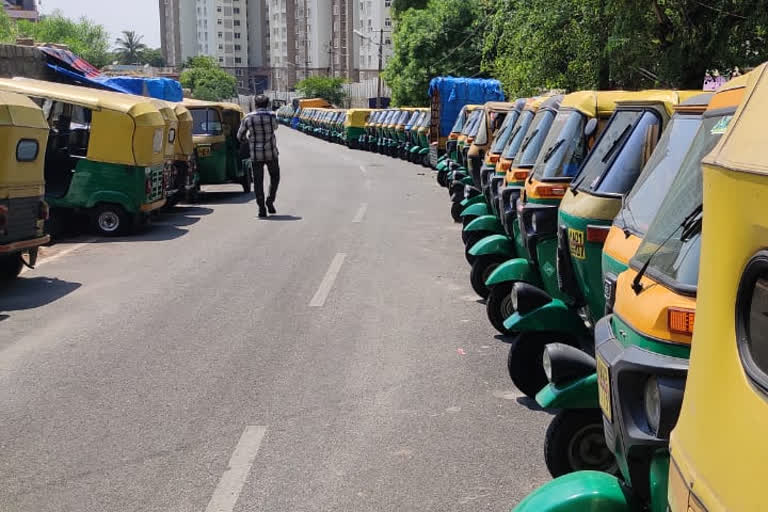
(482, 268)
(575, 441)
(10, 266)
(456, 209)
(110, 219)
(499, 305)
(524, 362)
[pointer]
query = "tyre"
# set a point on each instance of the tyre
(482, 268)
(575, 441)
(470, 238)
(456, 209)
(442, 179)
(525, 359)
(10, 266)
(467, 219)
(499, 305)
(110, 220)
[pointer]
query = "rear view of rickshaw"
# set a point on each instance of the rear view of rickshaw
(420, 151)
(23, 211)
(355, 126)
(105, 154)
(221, 158)
(186, 180)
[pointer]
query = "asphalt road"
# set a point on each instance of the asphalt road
(331, 359)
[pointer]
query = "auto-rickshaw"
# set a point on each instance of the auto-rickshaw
(23, 211)
(412, 134)
(390, 131)
(355, 125)
(185, 176)
(398, 131)
(442, 164)
(363, 141)
(717, 447)
(644, 343)
(420, 152)
(169, 150)
(340, 128)
(221, 158)
(381, 129)
(104, 155)
(459, 177)
(405, 137)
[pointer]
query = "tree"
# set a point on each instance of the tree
(207, 81)
(153, 57)
(445, 38)
(84, 37)
(400, 6)
(328, 88)
(130, 47)
(7, 28)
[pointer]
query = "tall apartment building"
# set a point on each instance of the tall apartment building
(375, 16)
(231, 31)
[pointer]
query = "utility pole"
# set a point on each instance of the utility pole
(306, 41)
(381, 59)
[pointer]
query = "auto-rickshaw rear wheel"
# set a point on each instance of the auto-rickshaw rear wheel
(575, 441)
(456, 209)
(499, 305)
(110, 219)
(10, 266)
(524, 362)
(482, 268)
(442, 178)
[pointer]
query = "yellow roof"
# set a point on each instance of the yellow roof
(668, 98)
(740, 149)
(594, 103)
(499, 106)
(470, 108)
(93, 99)
(189, 102)
(357, 116)
(18, 110)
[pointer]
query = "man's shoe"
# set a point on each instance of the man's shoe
(262, 213)
(271, 207)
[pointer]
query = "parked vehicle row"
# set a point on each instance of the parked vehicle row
(114, 159)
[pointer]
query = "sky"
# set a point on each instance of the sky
(142, 16)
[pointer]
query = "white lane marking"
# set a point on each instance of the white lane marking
(230, 486)
(364, 170)
(61, 254)
(330, 277)
(360, 214)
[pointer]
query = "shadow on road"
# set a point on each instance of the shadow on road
(33, 293)
(531, 404)
(225, 198)
(283, 218)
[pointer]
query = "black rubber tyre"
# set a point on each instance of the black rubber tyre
(442, 179)
(10, 266)
(499, 305)
(110, 220)
(482, 267)
(456, 209)
(470, 239)
(575, 441)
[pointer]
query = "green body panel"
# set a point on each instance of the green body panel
(581, 491)
(494, 244)
(353, 132)
(486, 223)
(659, 479)
(553, 316)
(442, 166)
(627, 336)
(612, 265)
(472, 200)
(589, 270)
(213, 168)
(96, 182)
(546, 254)
(423, 151)
(424, 140)
(476, 210)
(414, 149)
(515, 269)
(576, 394)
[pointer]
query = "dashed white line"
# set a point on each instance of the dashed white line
(60, 254)
(330, 277)
(231, 484)
(360, 214)
(364, 170)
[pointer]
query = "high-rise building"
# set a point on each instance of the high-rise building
(21, 9)
(375, 22)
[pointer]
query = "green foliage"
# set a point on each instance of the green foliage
(153, 57)
(208, 82)
(7, 28)
(130, 47)
(201, 61)
(445, 38)
(400, 6)
(84, 37)
(328, 88)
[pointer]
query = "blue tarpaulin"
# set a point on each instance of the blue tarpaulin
(457, 92)
(160, 88)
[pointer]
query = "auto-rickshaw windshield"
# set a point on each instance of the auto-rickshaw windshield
(474, 128)
(534, 139)
(565, 147)
(469, 126)
(614, 164)
(207, 121)
(458, 125)
(674, 258)
(505, 132)
(654, 182)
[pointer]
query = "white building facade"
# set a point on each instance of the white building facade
(375, 16)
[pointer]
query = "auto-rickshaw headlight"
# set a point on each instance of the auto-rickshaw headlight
(652, 403)
(662, 400)
(546, 363)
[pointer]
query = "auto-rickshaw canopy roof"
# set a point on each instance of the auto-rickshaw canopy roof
(594, 103)
(696, 103)
(18, 110)
(668, 98)
(499, 106)
(314, 102)
(357, 116)
(741, 148)
(189, 102)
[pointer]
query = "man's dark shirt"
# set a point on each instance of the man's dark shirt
(260, 127)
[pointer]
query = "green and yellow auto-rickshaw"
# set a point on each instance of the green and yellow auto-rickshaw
(412, 134)
(355, 125)
(449, 144)
(645, 342)
(169, 149)
(221, 158)
(185, 178)
(420, 151)
(105, 153)
(381, 129)
(459, 176)
(405, 137)
(23, 210)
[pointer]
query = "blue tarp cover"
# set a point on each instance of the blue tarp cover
(457, 92)
(160, 88)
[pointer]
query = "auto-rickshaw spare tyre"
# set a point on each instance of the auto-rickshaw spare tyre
(575, 441)
(482, 268)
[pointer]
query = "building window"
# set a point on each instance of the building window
(219, 21)
(237, 23)
(388, 22)
(236, 10)
(238, 60)
(237, 35)
(238, 47)
(221, 34)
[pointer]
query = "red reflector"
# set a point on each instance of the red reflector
(549, 191)
(597, 234)
(493, 159)
(504, 165)
(520, 175)
(681, 320)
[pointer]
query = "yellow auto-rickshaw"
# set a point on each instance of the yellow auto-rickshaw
(185, 179)
(718, 446)
(23, 138)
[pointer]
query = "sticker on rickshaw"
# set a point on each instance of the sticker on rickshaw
(576, 243)
(204, 151)
(721, 126)
(604, 387)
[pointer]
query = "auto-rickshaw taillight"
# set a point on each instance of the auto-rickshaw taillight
(597, 234)
(549, 191)
(504, 165)
(681, 320)
(493, 158)
(520, 175)
(43, 212)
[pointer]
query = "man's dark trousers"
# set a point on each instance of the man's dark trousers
(273, 166)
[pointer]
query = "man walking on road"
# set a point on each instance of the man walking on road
(258, 129)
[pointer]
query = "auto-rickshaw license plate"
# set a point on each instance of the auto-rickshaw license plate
(576, 243)
(203, 151)
(604, 387)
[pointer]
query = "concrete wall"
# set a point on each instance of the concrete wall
(23, 61)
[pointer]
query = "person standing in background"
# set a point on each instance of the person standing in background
(258, 130)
